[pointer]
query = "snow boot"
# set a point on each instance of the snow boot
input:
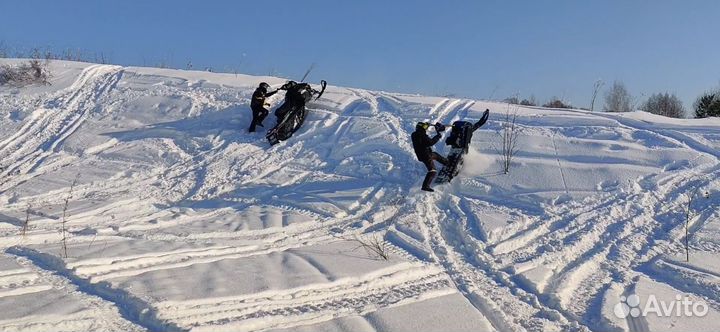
(428, 180)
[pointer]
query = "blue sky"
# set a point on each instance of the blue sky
(478, 49)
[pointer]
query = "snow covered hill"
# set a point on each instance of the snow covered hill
(178, 219)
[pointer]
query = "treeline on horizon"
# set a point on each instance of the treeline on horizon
(616, 99)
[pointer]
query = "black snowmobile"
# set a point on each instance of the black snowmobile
(459, 142)
(291, 114)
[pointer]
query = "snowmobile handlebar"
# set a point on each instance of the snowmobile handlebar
(481, 122)
(291, 84)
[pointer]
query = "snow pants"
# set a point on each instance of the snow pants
(430, 165)
(259, 114)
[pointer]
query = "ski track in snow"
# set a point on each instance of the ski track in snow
(186, 188)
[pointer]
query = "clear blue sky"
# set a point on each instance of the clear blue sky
(469, 48)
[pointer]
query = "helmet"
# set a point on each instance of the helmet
(289, 85)
(264, 86)
(422, 125)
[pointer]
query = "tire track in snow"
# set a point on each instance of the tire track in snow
(290, 237)
(47, 272)
(20, 282)
(505, 310)
(672, 135)
(604, 246)
(24, 152)
(401, 284)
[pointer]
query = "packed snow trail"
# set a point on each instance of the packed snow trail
(25, 151)
(182, 220)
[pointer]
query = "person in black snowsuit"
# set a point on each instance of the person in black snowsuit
(422, 144)
(257, 104)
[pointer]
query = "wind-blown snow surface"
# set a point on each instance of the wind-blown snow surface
(181, 220)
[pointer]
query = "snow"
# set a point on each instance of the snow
(181, 220)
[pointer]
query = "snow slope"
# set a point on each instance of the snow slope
(181, 220)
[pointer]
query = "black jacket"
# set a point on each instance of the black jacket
(422, 143)
(258, 98)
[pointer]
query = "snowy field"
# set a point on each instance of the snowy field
(182, 220)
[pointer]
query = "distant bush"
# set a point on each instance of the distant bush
(525, 102)
(529, 101)
(708, 105)
(555, 102)
(664, 104)
(618, 99)
(512, 100)
(31, 72)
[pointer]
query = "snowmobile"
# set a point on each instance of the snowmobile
(291, 114)
(459, 142)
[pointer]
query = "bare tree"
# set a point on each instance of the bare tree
(27, 221)
(510, 133)
(664, 104)
(596, 88)
(374, 245)
(64, 215)
(3, 50)
(492, 94)
(618, 99)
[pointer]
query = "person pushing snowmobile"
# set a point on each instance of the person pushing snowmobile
(422, 144)
(257, 105)
(459, 141)
(291, 114)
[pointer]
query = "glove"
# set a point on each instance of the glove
(439, 127)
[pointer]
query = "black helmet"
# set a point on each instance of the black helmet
(422, 125)
(289, 85)
(264, 86)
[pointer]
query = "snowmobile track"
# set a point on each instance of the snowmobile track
(288, 308)
(24, 152)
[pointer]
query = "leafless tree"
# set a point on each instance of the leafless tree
(596, 88)
(492, 94)
(664, 104)
(510, 133)
(27, 221)
(618, 99)
(3, 50)
(374, 245)
(64, 216)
